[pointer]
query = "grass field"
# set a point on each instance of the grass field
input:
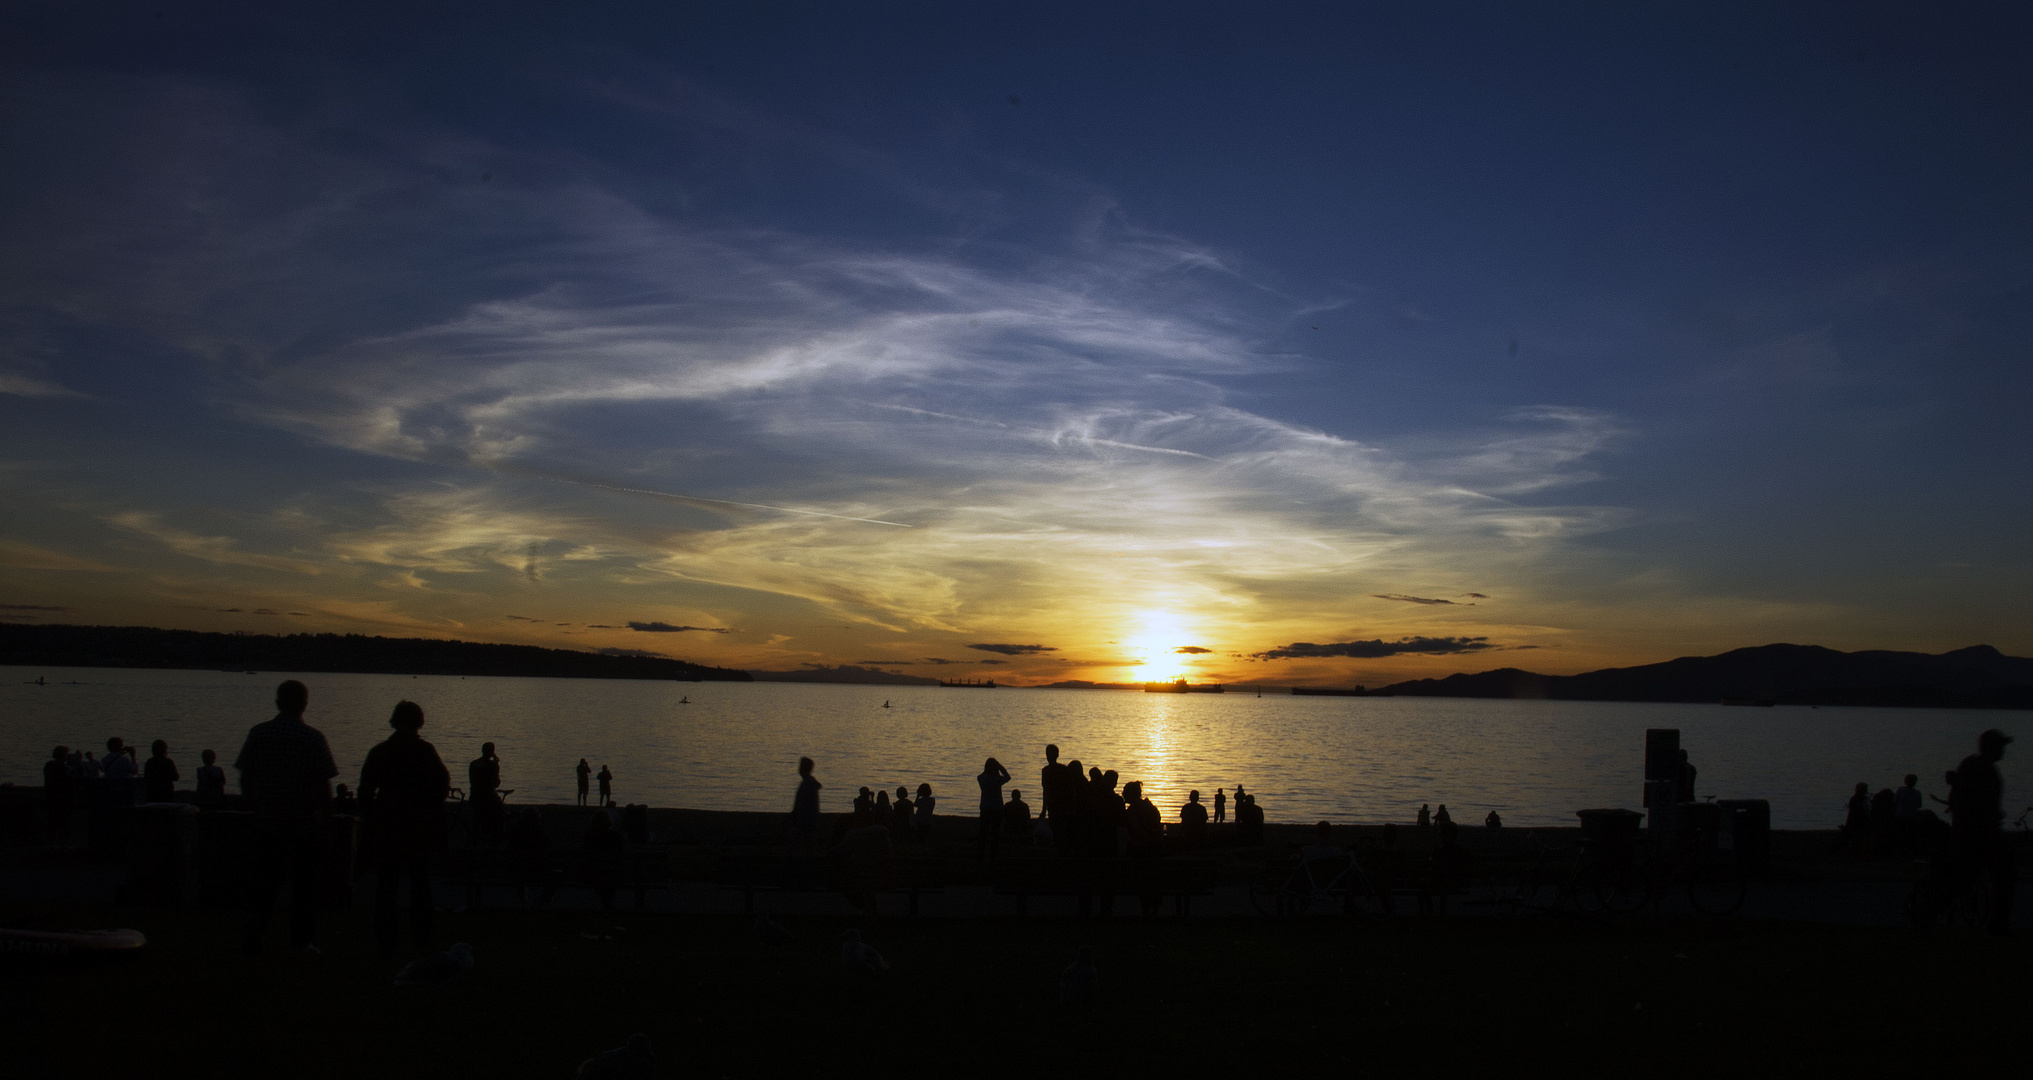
(1199, 997)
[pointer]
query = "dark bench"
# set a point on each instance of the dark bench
(1180, 879)
(544, 872)
(751, 872)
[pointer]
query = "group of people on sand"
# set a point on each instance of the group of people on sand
(286, 781)
(120, 778)
(1897, 821)
(1080, 812)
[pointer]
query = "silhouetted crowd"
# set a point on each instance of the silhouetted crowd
(1086, 812)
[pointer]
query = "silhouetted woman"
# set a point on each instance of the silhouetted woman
(923, 812)
(993, 777)
(805, 807)
(585, 774)
(402, 796)
(900, 815)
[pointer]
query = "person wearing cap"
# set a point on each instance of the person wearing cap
(1977, 817)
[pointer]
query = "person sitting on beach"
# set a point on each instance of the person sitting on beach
(1016, 817)
(606, 778)
(922, 812)
(993, 776)
(211, 782)
(880, 813)
(1193, 820)
(1220, 805)
(864, 806)
(58, 802)
(1425, 815)
(805, 808)
(343, 801)
(1442, 817)
(584, 773)
(1492, 821)
(159, 776)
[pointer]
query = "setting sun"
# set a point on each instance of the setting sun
(1153, 647)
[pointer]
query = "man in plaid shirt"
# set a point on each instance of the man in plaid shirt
(286, 772)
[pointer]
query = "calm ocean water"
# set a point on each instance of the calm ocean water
(736, 746)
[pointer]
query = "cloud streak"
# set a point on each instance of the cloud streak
(1377, 649)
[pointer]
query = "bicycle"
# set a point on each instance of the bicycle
(1299, 889)
(1952, 893)
(1627, 885)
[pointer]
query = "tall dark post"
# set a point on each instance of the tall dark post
(1662, 759)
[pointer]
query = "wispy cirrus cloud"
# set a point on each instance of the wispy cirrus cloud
(638, 399)
(1377, 648)
(216, 549)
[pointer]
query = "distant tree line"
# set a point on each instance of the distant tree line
(148, 647)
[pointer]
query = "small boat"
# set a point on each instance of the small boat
(885, 704)
(687, 700)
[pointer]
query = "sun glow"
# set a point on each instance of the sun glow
(1152, 647)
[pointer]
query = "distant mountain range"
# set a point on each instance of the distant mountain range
(148, 647)
(845, 673)
(1979, 677)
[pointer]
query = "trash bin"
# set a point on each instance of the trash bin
(1613, 831)
(635, 822)
(338, 855)
(225, 858)
(1699, 826)
(1661, 798)
(158, 840)
(1749, 823)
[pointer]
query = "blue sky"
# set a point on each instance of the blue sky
(843, 334)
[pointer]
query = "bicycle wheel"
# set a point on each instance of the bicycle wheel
(1271, 895)
(1622, 890)
(1364, 896)
(1972, 906)
(1716, 890)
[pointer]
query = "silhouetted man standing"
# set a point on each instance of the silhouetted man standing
(1977, 802)
(1977, 816)
(286, 774)
(1048, 786)
(483, 777)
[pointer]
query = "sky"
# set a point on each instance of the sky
(1330, 344)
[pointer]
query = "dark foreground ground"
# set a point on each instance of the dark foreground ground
(1407, 997)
